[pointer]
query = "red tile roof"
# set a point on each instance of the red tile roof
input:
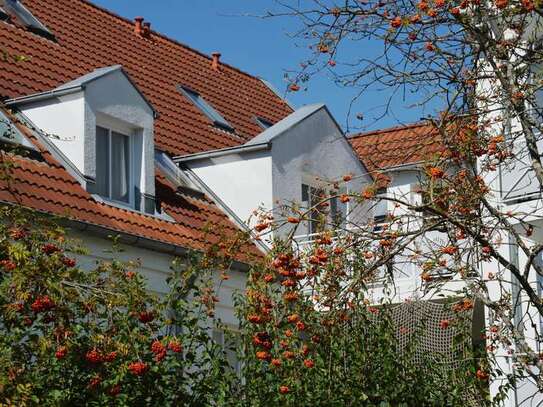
(397, 146)
(89, 37)
(46, 186)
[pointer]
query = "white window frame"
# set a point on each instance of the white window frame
(126, 133)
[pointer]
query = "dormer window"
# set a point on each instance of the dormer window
(263, 123)
(326, 210)
(16, 9)
(106, 136)
(113, 164)
(206, 108)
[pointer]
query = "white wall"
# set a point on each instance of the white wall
(242, 181)
(314, 148)
(155, 266)
(64, 119)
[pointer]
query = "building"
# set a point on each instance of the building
(397, 156)
(133, 133)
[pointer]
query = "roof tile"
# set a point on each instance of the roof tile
(89, 37)
(47, 187)
(397, 146)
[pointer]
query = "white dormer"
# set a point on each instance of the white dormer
(293, 160)
(103, 125)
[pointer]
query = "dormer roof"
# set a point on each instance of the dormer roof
(77, 85)
(287, 123)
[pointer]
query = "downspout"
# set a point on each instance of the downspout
(515, 298)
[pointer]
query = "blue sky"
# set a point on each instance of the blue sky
(261, 47)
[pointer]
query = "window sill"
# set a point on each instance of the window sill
(126, 207)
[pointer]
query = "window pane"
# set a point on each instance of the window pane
(316, 196)
(102, 162)
(120, 167)
(305, 195)
(265, 124)
(206, 108)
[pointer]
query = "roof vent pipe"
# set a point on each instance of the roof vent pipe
(138, 26)
(215, 60)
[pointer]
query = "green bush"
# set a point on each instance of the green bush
(70, 336)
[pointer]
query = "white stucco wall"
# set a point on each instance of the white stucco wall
(155, 266)
(314, 149)
(64, 119)
(242, 181)
(404, 186)
(511, 184)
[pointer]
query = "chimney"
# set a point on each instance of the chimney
(146, 29)
(138, 26)
(215, 60)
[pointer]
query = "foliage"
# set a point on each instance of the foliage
(306, 344)
(473, 69)
(74, 336)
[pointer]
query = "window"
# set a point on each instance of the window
(206, 108)
(380, 209)
(7, 130)
(310, 198)
(378, 222)
(330, 211)
(113, 165)
(17, 9)
(263, 123)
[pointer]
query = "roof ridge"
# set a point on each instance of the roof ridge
(172, 40)
(389, 129)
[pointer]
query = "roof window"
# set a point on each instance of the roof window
(16, 9)
(206, 108)
(263, 123)
(9, 133)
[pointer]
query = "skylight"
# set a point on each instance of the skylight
(15, 7)
(206, 108)
(264, 123)
(9, 133)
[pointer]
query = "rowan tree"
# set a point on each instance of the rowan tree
(477, 64)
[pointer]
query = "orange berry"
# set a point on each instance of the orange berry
(276, 362)
(309, 363)
(293, 87)
(444, 324)
(396, 22)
